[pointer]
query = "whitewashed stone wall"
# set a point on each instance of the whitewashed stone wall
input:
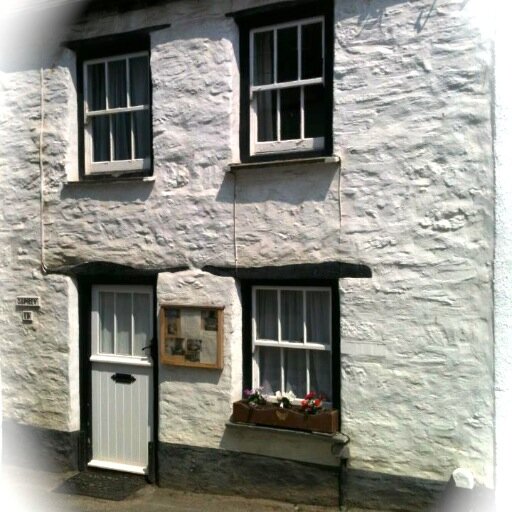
(195, 403)
(412, 198)
(503, 268)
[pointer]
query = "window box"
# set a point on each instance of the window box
(271, 415)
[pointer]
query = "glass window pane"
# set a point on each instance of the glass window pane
(320, 373)
(318, 319)
(292, 316)
(266, 111)
(287, 59)
(295, 376)
(263, 65)
(121, 136)
(106, 327)
(266, 314)
(269, 360)
(100, 139)
(96, 87)
(312, 63)
(139, 81)
(290, 113)
(124, 323)
(314, 109)
(117, 84)
(141, 323)
(141, 132)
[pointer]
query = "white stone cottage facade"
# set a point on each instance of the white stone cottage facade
(166, 152)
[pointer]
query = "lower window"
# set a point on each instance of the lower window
(291, 330)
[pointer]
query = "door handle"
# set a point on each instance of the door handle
(123, 378)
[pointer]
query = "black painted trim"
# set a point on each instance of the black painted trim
(324, 270)
(335, 327)
(106, 46)
(272, 14)
(122, 276)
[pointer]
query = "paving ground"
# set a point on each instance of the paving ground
(25, 490)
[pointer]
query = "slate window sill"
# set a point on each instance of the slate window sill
(292, 162)
(297, 434)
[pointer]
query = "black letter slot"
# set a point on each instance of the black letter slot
(123, 378)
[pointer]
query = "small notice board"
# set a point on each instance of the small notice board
(192, 336)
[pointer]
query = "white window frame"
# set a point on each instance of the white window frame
(279, 343)
(96, 354)
(112, 166)
(291, 145)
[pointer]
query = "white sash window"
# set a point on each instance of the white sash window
(287, 87)
(117, 114)
(291, 335)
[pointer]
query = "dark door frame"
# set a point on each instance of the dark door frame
(85, 283)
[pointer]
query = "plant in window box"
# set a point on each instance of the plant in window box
(309, 416)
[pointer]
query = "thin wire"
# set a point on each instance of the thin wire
(44, 269)
(339, 201)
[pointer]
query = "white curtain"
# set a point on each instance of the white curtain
(269, 362)
(266, 314)
(292, 324)
(106, 313)
(123, 323)
(295, 371)
(139, 95)
(141, 323)
(263, 73)
(318, 322)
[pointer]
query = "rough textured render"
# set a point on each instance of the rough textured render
(412, 199)
(503, 269)
(413, 122)
(195, 403)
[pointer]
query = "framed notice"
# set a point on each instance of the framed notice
(192, 336)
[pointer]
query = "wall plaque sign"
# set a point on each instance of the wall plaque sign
(26, 317)
(28, 301)
(192, 336)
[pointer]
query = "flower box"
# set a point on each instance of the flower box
(271, 415)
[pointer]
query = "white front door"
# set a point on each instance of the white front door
(122, 377)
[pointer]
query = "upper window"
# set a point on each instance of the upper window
(292, 340)
(288, 87)
(286, 57)
(117, 114)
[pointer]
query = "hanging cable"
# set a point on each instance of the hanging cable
(44, 269)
